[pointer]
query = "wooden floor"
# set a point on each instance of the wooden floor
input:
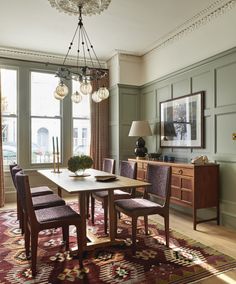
(218, 237)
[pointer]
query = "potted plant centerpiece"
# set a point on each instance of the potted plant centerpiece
(78, 164)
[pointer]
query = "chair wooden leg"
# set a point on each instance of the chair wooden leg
(146, 224)
(105, 204)
(134, 233)
(167, 230)
(80, 247)
(18, 206)
(22, 221)
(27, 240)
(92, 209)
(115, 223)
(65, 232)
(34, 247)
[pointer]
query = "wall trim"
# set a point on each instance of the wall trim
(190, 67)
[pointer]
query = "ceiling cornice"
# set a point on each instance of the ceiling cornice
(205, 16)
(47, 58)
(216, 9)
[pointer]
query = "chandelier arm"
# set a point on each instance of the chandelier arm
(82, 36)
(71, 43)
(91, 46)
(78, 50)
(88, 47)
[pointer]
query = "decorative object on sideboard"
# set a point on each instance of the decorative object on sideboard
(200, 160)
(88, 71)
(139, 129)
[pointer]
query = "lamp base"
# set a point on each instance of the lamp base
(140, 150)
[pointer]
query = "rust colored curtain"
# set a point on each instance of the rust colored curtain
(2, 190)
(99, 147)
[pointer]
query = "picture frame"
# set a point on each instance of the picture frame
(181, 121)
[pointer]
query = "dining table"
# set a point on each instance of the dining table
(86, 184)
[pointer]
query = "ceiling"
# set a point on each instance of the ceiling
(128, 26)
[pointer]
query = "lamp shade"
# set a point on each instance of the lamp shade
(140, 128)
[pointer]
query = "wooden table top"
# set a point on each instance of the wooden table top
(89, 183)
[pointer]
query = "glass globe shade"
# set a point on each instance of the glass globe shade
(56, 96)
(86, 88)
(62, 90)
(96, 98)
(76, 97)
(103, 93)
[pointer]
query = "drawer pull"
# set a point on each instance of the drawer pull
(180, 172)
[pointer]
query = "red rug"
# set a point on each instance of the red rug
(185, 261)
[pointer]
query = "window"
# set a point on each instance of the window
(45, 117)
(81, 124)
(9, 115)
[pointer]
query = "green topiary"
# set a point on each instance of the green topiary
(81, 162)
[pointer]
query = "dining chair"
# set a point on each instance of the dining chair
(39, 201)
(42, 219)
(159, 176)
(127, 169)
(35, 191)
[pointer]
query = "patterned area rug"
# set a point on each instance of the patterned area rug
(186, 260)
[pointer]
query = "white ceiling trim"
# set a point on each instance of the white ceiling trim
(216, 9)
(47, 58)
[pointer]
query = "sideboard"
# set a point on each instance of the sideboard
(194, 186)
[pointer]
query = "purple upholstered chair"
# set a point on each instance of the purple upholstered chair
(42, 219)
(160, 178)
(127, 169)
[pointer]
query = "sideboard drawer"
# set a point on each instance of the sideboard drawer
(182, 171)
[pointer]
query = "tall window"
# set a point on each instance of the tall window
(9, 115)
(45, 117)
(81, 124)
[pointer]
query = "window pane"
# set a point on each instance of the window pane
(9, 91)
(43, 102)
(42, 131)
(9, 138)
(81, 109)
(81, 136)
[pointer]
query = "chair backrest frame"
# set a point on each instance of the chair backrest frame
(14, 171)
(109, 165)
(160, 178)
(23, 189)
(128, 169)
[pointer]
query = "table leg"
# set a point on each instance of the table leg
(111, 215)
(59, 191)
(82, 209)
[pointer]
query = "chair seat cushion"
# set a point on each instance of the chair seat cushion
(45, 201)
(40, 190)
(137, 205)
(117, 194)
(58, 213)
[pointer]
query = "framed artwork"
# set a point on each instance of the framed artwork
(181, 121)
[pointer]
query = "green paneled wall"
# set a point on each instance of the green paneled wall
(217, 77)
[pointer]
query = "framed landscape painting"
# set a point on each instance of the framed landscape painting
(181, 121)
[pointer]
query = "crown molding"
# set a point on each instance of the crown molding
(205, 16)
(47, 58)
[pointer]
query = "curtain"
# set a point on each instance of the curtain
(99, 147)
(2, 190)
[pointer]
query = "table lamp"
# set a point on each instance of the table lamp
(139, 129)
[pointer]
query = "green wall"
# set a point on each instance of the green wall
(217, 77)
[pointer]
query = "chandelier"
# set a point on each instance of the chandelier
(91, 77)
